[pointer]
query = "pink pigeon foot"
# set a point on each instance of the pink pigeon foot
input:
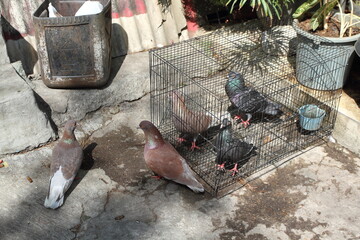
(244, 123)
(181, 140)
(234, 170)
(193, 146)
(157, 177)
(220, 166)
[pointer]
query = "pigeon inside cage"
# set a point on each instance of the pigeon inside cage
(226, 121)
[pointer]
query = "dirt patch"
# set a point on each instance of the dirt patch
(332, 31)
(337, 152)
(120, 155)
(270, 203)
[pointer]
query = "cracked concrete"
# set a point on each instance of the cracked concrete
(316, 195)
(123, 85)
(51, 108)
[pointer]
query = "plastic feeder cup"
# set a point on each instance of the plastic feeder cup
(311, 117)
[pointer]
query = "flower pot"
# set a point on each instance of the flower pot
(323, 63)
(357, 47)
(311, 117)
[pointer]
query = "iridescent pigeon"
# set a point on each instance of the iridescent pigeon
(67, 156)
(247, 101)
(162, 158)
(232, 153)
(186, 121)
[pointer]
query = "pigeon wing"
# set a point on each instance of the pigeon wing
(249, 101)
(168, 163)
(64, 167)
(68, 157)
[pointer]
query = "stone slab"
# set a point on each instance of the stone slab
(23, 124)
(23, 215)
(347, 132)
(311, 196)
(3, 52)
(129, 81)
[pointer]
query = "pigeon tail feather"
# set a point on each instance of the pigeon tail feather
(198, 188)
(58, 186)
(55, 198)
(272, 109)
(189, 179)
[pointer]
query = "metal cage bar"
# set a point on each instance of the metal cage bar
(197, 69)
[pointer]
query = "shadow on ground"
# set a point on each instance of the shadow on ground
(312, 196)
(25, 217)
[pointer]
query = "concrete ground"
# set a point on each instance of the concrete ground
(313, 196)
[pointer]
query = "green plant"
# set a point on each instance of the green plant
(323, 13)
(269, 7)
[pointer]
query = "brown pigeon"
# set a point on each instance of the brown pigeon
(187, 121)
(67, 156)
(162, 158)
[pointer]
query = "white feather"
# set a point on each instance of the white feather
(58, 186)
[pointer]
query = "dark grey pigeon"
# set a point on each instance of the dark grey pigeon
(67, 156)
(247, 101)
(232, 153)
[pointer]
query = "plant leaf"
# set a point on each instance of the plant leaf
(228, 2)
(318, 17)
(242, 3)
(267, 10)
(253, 3)
(277, 8)
(232, 6)
(306, 6)
(278, 14)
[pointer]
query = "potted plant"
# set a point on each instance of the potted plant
(267, 11)
(326, 38)
(269, 8)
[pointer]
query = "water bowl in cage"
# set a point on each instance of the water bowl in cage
(311, 117)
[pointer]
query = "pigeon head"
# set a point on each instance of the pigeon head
(69, 131)
(236, 79)
(152, 134)
(146, 125)
(225, 122)
(70, 126)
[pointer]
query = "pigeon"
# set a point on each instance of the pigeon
(247, 101)
(162, 158)
(186, 121)
(67, 156)
(231, 151)
(204, 138)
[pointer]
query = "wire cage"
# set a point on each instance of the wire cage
(188, 86)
